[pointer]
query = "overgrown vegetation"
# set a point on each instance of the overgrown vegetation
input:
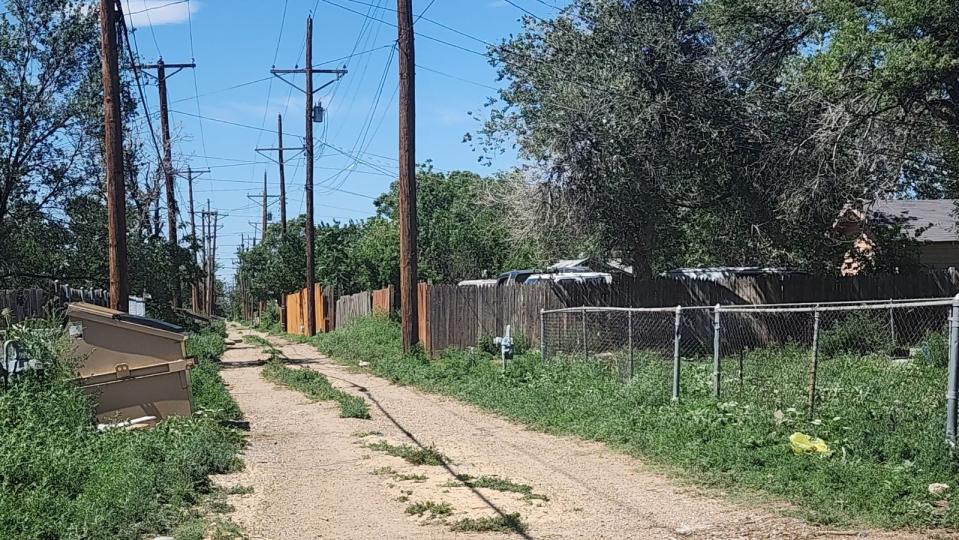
(500, 484)
(210, 396)
(882, 421)
(435, 509)
(316, 387)
(500, 523)
(412, 454)
(61, 478)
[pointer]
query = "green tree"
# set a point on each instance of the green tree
(674, 152)
(889, 61)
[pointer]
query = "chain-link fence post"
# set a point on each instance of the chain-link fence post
(953, 373)
(892, 324)
(676, 338)
(814, 365)
(717, 367)
(629, 339)
(585, 344)
(542, 335)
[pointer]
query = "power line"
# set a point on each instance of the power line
(524, 10)
(136, 76)
(425, 36)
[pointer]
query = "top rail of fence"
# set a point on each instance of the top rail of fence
(773, 308)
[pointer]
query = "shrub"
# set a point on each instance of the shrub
(860, 333)
(61, 478)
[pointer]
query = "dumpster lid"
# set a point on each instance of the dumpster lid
(124, 317)
(152, 323)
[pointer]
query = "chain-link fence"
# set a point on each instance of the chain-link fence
(818, 360)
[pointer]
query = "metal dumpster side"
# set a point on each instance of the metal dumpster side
(106, 338)
(161, 390)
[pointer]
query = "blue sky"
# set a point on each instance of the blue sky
(235, 42)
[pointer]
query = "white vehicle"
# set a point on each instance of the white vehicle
(594, 278)
(477, 283)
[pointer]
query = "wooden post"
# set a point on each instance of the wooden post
(407, 173)
(310, 268)
(113, 157)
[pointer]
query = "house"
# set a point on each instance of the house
(931, 222)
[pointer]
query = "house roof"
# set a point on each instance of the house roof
(929, 220)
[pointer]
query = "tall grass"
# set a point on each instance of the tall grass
(317, 387)
(60, 478)
(882, 421)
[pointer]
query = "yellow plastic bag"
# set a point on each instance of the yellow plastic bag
(804, 444)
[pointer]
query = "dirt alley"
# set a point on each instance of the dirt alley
(313, 475)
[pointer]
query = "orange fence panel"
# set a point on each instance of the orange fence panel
(383, 300)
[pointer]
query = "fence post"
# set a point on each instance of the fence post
(542, 335)
(953, 373)
(676, 364)
(892, 324)
(717, 366)
(814, 366)
(582, 314)
(629, 332)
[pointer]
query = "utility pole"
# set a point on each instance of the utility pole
(216, 225)
(171, 206)
(312, 115)
(281, 162)
(407, 182)
(279, 136)
(110, 18)
(265, 215)
(194, 287)
(209, 259)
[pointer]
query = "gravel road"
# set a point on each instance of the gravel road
(314, 476)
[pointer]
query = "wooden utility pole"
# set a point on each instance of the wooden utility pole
(281, 162)
(209, 260)
(168, 173)
(279, 136)
(407, 183)
(194, 287)
(110, 17)
(216, 225)
(311, 117)
(310, 263)
(265, 217)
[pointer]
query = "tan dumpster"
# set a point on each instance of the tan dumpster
(161, 391)
(134, 366)
(106, 338)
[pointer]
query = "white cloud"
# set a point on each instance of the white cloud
(142, 13)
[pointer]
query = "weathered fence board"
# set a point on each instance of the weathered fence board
(383, 300)
(352, 307)
(453, 316)
(22, 304)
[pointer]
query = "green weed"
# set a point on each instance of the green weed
(499, 484)
(412, 454)
(501, 523)
(435, 509)
(316, 387)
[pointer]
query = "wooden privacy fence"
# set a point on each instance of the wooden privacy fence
(383, 300)
(296, 312)
(453, 316)
(352, 307)
(33, 303)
